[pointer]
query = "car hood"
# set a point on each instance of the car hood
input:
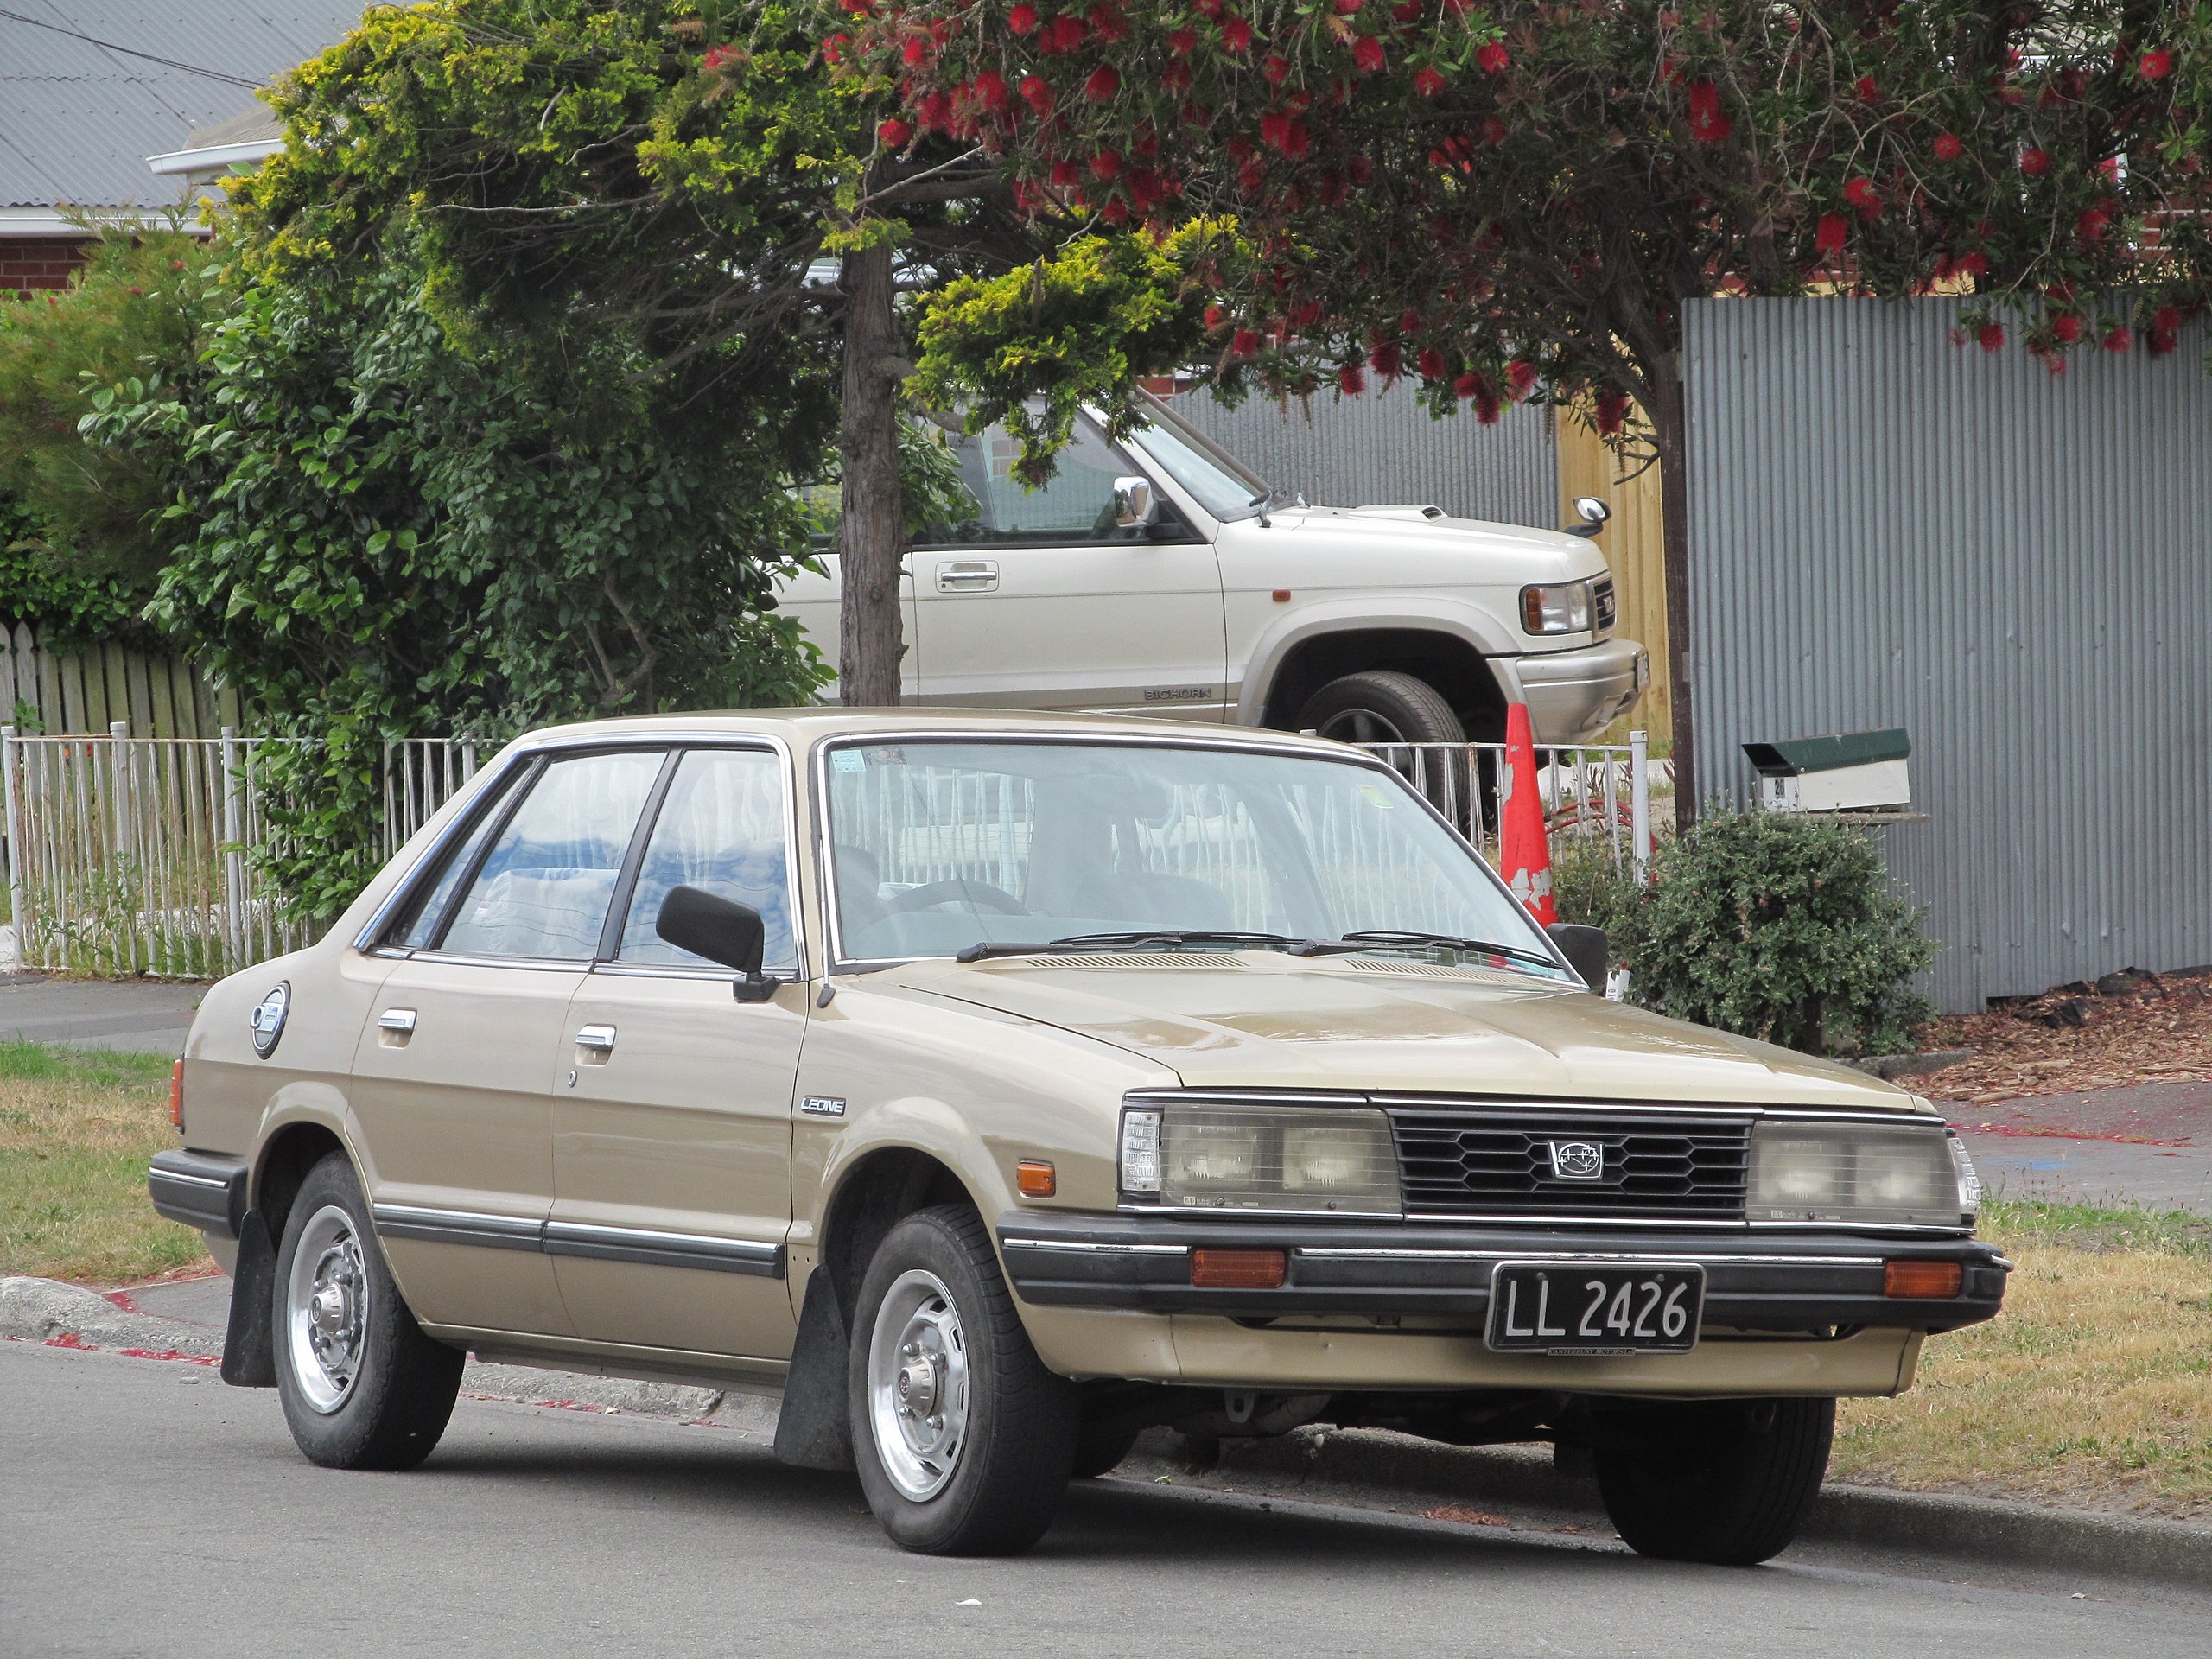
(1261, 1018)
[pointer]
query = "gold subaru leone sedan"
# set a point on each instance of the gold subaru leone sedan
(996, 1088)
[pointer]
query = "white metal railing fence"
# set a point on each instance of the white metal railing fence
(135, 856)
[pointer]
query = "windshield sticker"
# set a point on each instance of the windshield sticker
(1379, 796)
(847, 760)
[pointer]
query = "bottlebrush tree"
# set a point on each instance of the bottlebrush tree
(1515, 199)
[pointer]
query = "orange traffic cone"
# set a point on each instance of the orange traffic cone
(1524, 852)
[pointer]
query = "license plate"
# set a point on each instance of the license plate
(1575, 1307)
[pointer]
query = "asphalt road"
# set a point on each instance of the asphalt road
(146, 1509)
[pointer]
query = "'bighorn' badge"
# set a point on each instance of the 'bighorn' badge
(1577, 1161)
(269, 1018)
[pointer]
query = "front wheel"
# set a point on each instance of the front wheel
(964, 1441)
(361, 1386)
(1725, 1482)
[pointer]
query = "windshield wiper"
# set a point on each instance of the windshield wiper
(1374, 935)
(1155, 936)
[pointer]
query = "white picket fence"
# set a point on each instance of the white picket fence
(1596, 795)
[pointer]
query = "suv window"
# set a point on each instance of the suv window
(545, 887)
(1075, 509)
(722, 829)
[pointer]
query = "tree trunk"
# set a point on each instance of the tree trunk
(871, 533)
(1664, 374)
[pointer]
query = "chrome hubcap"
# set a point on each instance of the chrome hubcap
(327, 1309)
(918, 1384)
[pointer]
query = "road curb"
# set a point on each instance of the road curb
(1385, 1470)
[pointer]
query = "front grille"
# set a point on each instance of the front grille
(1463, 1161)
(1605, 606)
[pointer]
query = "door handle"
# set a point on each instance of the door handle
(598, 1039)
(395, 1026)
(968, 576)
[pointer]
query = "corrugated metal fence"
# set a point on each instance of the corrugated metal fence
(2014, 566)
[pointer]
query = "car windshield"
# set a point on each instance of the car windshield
(1222, 485)
(944, 846)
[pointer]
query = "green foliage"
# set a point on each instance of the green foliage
(77, 559)
(1588, 888)
(1778, 926)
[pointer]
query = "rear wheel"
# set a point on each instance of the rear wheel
(964, 1441)
(1723, 1482)
(362, 1387)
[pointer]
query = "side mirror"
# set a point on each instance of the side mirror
(1586, 951)
(1593, 511)
(722, 931)
(1136, 505)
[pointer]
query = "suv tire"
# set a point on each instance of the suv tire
(362, 1387)
(963, 1440)
(1725, 1483)
(1381, 706)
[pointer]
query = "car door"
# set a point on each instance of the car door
(452, 1083)
(672, 1121)
(810, 598)
(1039, 600)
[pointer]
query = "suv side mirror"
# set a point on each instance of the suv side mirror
(1593, 511)
(1136, 504)
(1586, 949)
(722, 931)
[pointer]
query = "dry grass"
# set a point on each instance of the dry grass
(76, 1128)
(2093, 1387)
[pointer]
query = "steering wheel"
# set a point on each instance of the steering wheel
(980, 895)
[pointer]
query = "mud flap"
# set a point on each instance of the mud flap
(248, 1347)
(813, 1430)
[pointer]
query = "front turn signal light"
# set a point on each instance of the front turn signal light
(1922, 1282)
(1035, 1179)
(1239, 1269)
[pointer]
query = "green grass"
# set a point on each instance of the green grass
(77, 1126)
(2098, 1228)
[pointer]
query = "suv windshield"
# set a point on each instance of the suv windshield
(944, 846)
(1222, 485)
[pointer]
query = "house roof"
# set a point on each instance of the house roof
(89, 89)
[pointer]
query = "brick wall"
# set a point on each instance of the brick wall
(39, 262)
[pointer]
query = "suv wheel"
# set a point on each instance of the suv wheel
(1381, 706)
(362, 1387)
(963, 1440)
(1725, 1482)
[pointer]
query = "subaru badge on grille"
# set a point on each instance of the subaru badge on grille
(1577, 1161)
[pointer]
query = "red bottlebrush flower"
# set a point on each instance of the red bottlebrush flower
(1022, 20)
(2163, 340)
(1244, 342)
(1066, 34)
(1862, 194)
(1236, 34)
(1430, 362)
(1492, 60)
(1067, 176)
(1274, 130)
(1975, 264)
(1106, 164)
(1613, 413)
(1105, 81)
(1351, 379)
(936, 112)
(1296, 141)
(1712, 129)
(1409, 320)
(718, 55)
(1493, 130)
(1830, 235)
(2035, 162)
(990, 90)
(1409, 12)
(833, 49)
(2093, 224)
(1469, 384)
(1183, 42)
(2066, 328)
(2117, 340)
(895, 133)
(1116, 212)
(1208, 7)
(1429, 83)
(1947, 147)
(1867, 88)
(1388, 359)
(1348, 8)
(1038, 92)
(2155, 64)
(1109, 23)
(1176, 78)
(859, 7)
(1276, 68)
(2166, 320)
(1521, 377)
(1990, 336)
(1707, 123)
(915, 52)
(1367, 51)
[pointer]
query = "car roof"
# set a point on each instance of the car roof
(802, 727)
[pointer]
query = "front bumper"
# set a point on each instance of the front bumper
(1574, 695)
(1795, 1282)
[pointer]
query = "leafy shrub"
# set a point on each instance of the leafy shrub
(1780, 927)
(1587, 888)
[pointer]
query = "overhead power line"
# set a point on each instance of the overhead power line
(222, 75)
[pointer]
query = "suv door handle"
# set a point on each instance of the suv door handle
(968, 576)
(598, 1039)
(396, 1019)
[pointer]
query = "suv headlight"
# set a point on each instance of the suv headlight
(1557, 607)
(1915, 1175)
(1325, 1160)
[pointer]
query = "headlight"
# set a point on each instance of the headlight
(1322, 1159)
(1561, 608)
(1905, 1176)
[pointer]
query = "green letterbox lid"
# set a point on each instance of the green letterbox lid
(1794, 756)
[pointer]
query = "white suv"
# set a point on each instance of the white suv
(1161, 576)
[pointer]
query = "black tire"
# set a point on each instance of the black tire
(1382, 706)
(1725, 1483)
(1002, 1480)
(398, 1386)
(1100, 1447)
